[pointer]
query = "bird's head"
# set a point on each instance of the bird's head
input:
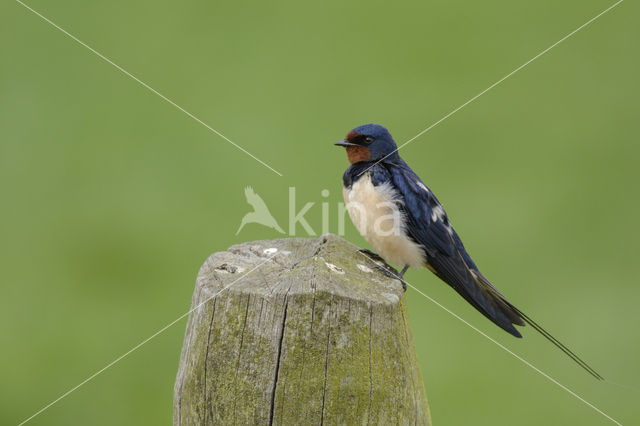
(370, 142)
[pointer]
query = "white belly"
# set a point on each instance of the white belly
(376, 215)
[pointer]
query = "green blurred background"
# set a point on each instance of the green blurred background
(112, 198)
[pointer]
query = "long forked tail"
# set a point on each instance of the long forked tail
(513, 313)
(556, 342)
(504, 312)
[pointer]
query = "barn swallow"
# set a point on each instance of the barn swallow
(405, 223)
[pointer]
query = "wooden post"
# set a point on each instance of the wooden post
(314, 335)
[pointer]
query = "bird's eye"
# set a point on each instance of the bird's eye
(368, 140)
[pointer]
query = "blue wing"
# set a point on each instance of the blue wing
(427, 224)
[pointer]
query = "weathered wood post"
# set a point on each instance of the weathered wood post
(298, 331)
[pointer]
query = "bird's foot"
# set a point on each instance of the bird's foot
(374, 256)
(404, 283)
(386, 269)
(392, 272)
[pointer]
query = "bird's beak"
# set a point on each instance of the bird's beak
(345, 144)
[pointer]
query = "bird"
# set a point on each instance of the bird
(403, 221)
(260, 213)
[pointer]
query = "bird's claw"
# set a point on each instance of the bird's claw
(373, 256)
(382, 266)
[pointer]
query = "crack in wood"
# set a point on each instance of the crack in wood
(235, 377)
(370, 371)
(275, 379)
(326, 363)
(206, 359)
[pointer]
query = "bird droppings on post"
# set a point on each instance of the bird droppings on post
(334, 268)
(391, 297)
(226, 268)
(270, 251)
(364, 268)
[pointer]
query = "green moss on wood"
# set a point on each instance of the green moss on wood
(308, 337)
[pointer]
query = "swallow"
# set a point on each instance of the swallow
(403, 221)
